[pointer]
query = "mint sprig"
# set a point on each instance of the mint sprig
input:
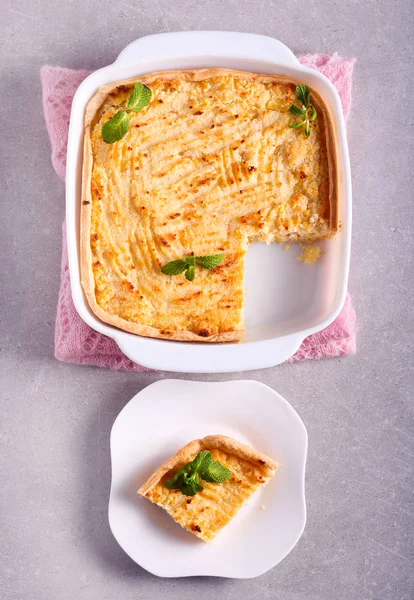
(187, 265)
(306, 111)
(187, 479)
(118, 126)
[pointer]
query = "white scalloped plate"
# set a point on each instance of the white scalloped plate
(164, 417)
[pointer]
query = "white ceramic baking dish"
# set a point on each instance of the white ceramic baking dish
(286, 300)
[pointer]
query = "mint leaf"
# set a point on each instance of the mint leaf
(297, 124)
(216, 473)
(175, 482)
(209, 262)
(190, 273)
(201, 461)
(140, 97)
(303, 94)
(115, 129)
(314, 113)
(298, 112)
(307, 129)
(186, 480)
(175, 267)
(191, 484)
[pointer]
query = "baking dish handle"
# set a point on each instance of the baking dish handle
(207, 44)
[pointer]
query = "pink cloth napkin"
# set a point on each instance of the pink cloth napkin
(75, 341)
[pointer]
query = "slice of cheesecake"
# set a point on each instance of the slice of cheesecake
(206, 511)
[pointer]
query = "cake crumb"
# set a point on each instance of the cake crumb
(262, 507)
(310, 254)
(287, 248)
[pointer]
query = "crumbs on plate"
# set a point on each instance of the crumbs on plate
(310, 254)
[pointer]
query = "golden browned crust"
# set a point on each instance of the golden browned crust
(92, 115)
(211, 442)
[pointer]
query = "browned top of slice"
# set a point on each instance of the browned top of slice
(208, 167)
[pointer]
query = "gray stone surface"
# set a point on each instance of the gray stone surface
(55, 418)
